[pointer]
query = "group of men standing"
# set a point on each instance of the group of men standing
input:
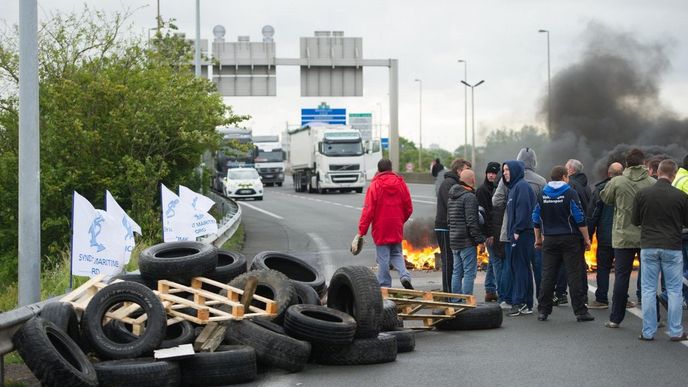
(537, 232)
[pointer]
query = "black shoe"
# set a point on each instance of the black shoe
(585, 317)
(518, 310)
(562, 300)
(406, 284)
(542, 316)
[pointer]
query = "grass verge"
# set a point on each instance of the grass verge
(236, 242)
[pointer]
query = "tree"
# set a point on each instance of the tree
(115, 113)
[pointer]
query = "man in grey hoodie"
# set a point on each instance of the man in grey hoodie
(537, 183)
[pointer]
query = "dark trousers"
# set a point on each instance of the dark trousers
(622, 274)
(521, 251)
(507, 275)
(605, 259)
(566, 250)
(562, 280)
(447, 257)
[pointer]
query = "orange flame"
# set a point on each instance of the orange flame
(421, 258)
(591, 255)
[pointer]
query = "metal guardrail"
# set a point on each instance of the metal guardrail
(11, 321)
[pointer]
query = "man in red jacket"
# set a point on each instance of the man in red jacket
(387, 206)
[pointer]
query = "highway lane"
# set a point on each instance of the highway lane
(524, 351)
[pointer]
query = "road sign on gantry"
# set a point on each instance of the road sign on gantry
(363, 122)
(331, 65)
(324, 114)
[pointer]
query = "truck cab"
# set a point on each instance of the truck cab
(269, 160)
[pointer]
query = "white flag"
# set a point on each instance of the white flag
(181, 222)
(197, 201)
(129, 227)
(97, 243)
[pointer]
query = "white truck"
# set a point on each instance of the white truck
(327, 157)
(270, 159)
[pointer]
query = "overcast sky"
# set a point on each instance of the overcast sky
(499, 39)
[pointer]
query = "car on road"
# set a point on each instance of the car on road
(243, 183)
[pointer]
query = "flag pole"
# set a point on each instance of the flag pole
(71, 251)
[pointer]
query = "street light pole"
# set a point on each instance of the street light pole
(197, 54)
(420, 123)
(465, 108)
(473, 118)
(549, 85)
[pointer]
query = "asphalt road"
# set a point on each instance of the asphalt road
(561, 351)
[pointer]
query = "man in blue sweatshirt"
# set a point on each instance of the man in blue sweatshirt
(561, 233)
(519, 208)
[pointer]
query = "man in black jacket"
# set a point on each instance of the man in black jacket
(601, 221)
(451, 178)
(661, 211)
(464, 233)
(496, 260)
(561, 233)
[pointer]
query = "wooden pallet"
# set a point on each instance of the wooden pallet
(419, 305)
(203, 303)
(230, 306)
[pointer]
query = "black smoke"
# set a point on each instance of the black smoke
(609, 100)
(419, 232)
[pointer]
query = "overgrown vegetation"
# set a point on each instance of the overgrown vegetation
(116, 113)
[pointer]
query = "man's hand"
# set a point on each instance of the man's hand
(356, 244)
(489, 241)
(538, 243)
(515, 236)
(586, 241)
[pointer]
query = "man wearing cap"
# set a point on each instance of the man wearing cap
(495, 249)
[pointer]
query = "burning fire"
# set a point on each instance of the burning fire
(420, 258)
(591, 255)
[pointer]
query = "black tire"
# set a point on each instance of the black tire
(269, 325)
(178, 261)
(138, 278)
(178, 334)
(271, 284)
(380, 349)
(406, 339)
(272, 348)
(230, 265)
(390, 318)
(142, 372)
(279, 184)
(358, 190)
(319, 324)
(52, 356)
(354, 290)
(64, 316)
(306, 294)
(483, 316)
(111, 295)
(229, 364)
(259, 198)
(293, 267)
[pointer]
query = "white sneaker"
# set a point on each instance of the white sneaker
(527, 311)
(504, 305)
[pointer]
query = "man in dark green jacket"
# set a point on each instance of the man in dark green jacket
(620, 193)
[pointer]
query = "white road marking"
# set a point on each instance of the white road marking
(325, 253)
(261, 210)
(637, 312)
(322, 201)
(422, 201)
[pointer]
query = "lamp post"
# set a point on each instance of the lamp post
(465, 108)
(549, 85)
(420, 122)
(197, 43)
(473, 118)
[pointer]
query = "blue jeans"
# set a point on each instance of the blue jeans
(507, 276)
(671, 264)
(386, 255)
(494, 272)
(465, 268)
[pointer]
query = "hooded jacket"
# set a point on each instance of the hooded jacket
(536, 182)
(387, 206)
(620, 192)
(462, 212)
(579, 182)
(450, 179)
(558, 210)
(520, 201)
(601, 219)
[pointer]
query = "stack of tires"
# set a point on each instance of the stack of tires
(62, 349)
